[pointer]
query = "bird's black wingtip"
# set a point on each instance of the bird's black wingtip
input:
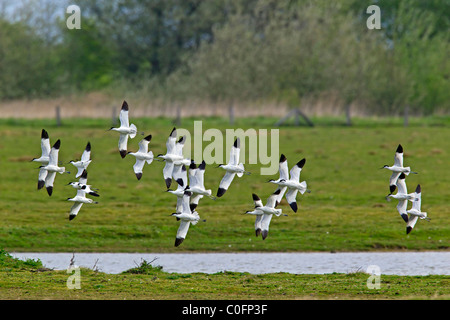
(282, 158)
(255, 197)
(44, 134)
(88, 146)
(124, 106)
(72, 216)
(257, 232)
(193, 206)
(399, 149)
(402, 176)
(418, 189)
(168, 182)
(57, 144)
(264, 234)
(84, 174)
(408, 229)
(40, 184)
(180, 182)
(392, 188)
(123, 153)
(405, 217)
(49, 190)
(293, 206)
(148, 138)
(221, 192)
(202, 165)
(237, 143)
(139, 175)
(301, 163)
(178, 241)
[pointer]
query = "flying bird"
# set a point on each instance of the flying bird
(174, 153)
(44, 158)
(264, 213)
(126, 130)
(402, 196)
(79, 200)
(293, 183)
(196, 184)
(52, 168)
(397, 168)
(142, 156)
(182, 185)
(234, 167)
(415, 212)
(186, 218)
(81, 184)
(82, 164)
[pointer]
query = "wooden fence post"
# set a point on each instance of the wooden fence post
(58, 116)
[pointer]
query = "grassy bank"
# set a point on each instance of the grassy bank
(346, 210)
(29, 280)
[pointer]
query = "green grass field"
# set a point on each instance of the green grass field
(346, 210)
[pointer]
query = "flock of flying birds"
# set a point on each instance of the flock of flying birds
(397, 181)
(189, 192)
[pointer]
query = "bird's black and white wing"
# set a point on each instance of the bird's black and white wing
(291, 196)
(138, 167)
(200, 175)
(53, 155)
(186, 199)
(257, 201)
(75, 209)
(123, 116)
(282, 191)
(411, 223)
(295, 171)
(272, 199)
(398, 158)
(258, 220)
(179, 174)
(225, 183)
(179, 146)
(195, 199)
(265, 222)
(418, 198)
(86, 156)
(171, 141)
(49, 179)
(234, 152)
(41, 177)
(123, 142)
(393, 181)
(193, 174)
(401, 208)
(45, 144)
(182, 232)
(401, 184)
(83, 178)
(283, 168)
(167, 173)
(143, 144)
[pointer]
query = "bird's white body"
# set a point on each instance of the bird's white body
(232, 168)
(142, 156)
(125, 129)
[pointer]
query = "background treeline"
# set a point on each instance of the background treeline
(236, 51)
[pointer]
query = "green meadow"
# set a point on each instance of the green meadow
(345, 211)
